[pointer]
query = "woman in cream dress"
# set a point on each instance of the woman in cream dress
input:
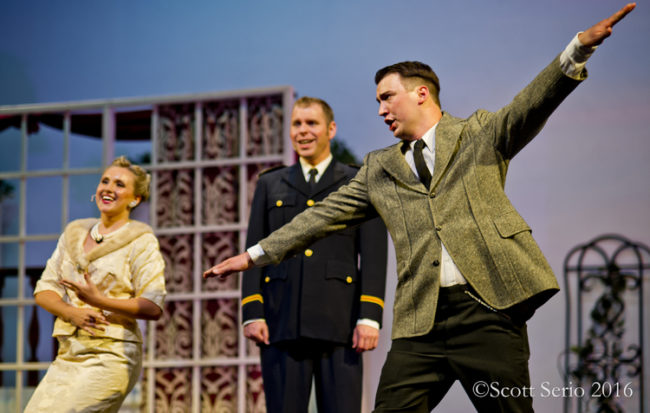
(103, 275)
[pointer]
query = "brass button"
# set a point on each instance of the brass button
(278, 203)
(309, 252)
(349, 279)
(310, 202)
(267, 279)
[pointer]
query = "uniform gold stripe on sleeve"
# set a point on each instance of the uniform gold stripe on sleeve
(251, 298)
(371, 299)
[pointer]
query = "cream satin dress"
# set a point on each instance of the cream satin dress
(95, 373)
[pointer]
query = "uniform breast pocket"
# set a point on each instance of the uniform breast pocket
(281, 207)
(343, 272)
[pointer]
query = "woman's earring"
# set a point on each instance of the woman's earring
(133, 204)
(92, 198)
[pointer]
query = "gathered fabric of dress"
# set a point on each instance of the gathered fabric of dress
(95, 373)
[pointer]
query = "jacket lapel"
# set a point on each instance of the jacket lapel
(447, 144)
(448, 134)
(296, 180)
(332, 176)
(393, 161)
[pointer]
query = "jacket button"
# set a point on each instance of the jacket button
(436, 263)
(267, 279)
(310, 202)
(348, 279)
(438, 227)
(278, 203)
(432, 194)
(309, 252)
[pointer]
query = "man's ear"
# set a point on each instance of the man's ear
(422, 93)
(331, 129)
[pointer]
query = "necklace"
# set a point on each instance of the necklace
(98, 237)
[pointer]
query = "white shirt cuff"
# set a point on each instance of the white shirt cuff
(247, 322)
(368, 322)
(258, 255)
(574, 58)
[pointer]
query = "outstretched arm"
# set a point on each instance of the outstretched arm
(595, 35)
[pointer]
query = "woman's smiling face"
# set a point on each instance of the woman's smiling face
(115, 191)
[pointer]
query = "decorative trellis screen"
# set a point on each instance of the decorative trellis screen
(604, 353)
(205, 153)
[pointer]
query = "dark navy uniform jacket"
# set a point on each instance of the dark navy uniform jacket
(321, 292)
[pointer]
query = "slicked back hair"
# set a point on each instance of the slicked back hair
(308, 101)
(413, 73)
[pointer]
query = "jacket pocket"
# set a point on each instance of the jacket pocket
(280, 201)
(345, 272)
(510, 224)
(276, 272)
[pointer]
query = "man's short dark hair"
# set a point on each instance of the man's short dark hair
(308, 101)
(413, 73)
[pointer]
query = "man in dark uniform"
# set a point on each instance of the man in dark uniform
(314, 314)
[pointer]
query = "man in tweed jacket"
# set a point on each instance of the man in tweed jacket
(469, 272)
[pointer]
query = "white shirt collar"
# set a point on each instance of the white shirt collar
(320, 167)
(429, 139)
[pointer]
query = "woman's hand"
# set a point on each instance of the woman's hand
(136, 307)
(86, 319)
(88, 292)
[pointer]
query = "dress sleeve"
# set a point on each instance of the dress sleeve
(51, 276)
(148, 270)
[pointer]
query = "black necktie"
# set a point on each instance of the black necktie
(312, 178)
(420, 164)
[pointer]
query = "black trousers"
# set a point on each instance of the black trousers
(485, 350)
(288, 369)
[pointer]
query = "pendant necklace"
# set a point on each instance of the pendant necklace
(98, 237)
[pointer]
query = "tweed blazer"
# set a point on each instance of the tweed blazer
(465, 208)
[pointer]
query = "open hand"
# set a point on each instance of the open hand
(87, 319)
(595, 35)
(230, 266)
(87, 292)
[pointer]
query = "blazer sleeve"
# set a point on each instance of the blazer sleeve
(517, 123)
(252, 301)
(346, 207)
(373, 245)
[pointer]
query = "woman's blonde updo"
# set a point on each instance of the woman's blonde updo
(142, 178)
